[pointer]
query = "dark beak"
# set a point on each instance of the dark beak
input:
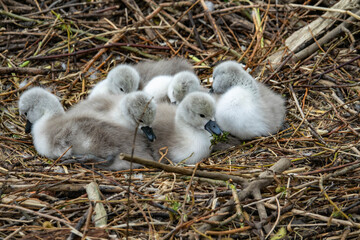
(213, 128)
(149, 133)
(174, 103)
(211, 90)
(28, 126)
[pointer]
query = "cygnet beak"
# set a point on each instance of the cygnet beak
(211, 90)
(174, 103)
(212, 127)
(149, 133)
(28, 126)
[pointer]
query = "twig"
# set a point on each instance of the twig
(259, 183)
(110, 45)
(93, 192)
(354, 15)
(183, 171)
(329, 220)
(44, 216)
(20, 70)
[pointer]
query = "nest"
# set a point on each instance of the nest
(301, 183)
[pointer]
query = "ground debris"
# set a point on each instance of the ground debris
(69, 47)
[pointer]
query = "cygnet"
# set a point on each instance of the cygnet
(187, 129)
(129, 111)
(120, 80)
(182, 84)
(54, 132)
(246, 108)
(150, 69)
(173, 88)
(158, 87)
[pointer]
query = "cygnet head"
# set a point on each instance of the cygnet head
(36, 103)
(182, 84)
(139, 108)
(123, 79)
(197, 109)
(229, 74)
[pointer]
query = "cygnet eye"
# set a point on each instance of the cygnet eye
(121, 89)
(140, 120)
(25, 114)
(202, 115)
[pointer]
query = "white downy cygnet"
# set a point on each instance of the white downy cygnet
(129, 111)
(187, 129)
(173, 89)
(158, 87)
(54, 132)
(150, 69)
(120, 80)
(246, 108)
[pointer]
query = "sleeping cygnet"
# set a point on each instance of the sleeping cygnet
(246, 108)
(54, 132)
(129, 111)
(187, 129)
(120, 80)
(173, 88)
(150, 69)
(182, 84)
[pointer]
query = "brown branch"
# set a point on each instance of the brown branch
(325, 39)
(96, 48)
(183, 171)
(21, 70)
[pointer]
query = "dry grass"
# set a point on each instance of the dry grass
(318, 194)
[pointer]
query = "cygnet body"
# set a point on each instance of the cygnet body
(187, 129)
(128, 111)
(246, 108)
(158, 87)
(54, 132)
(150, 69)
(120, 80)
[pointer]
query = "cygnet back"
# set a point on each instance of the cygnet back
(54, 132)
(150, 69)
(182, 84)
(120, 80)
(187, 129)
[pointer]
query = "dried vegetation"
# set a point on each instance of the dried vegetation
(312, 191)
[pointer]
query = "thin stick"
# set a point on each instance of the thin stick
(183, 171)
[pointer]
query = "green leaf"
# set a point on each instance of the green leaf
(24, 64)
(280, 234)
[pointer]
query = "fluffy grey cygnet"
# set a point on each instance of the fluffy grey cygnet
(129, 111)
(183, 83)
(150, 69)
(187, 129)
(246, 108)
(173, 89)
(120, 80)
(54, 132)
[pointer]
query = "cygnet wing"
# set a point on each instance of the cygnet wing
(273, 106)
